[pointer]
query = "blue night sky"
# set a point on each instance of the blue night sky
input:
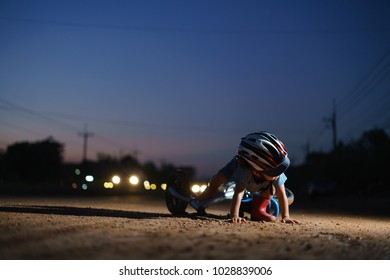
(183, 81)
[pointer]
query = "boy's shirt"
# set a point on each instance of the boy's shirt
(244, 178)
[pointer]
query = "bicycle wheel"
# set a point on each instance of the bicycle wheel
(179, 181)
(290, 196)
(273, 207)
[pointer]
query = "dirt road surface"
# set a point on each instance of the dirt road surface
(138, 227)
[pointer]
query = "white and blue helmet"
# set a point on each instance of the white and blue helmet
(264, 152)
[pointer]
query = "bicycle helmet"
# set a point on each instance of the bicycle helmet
(264, 152)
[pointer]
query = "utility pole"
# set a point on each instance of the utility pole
(306, 147)
(332, 123)
(85, 134)
(334, 127)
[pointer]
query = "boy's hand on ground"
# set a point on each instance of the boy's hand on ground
(288, 220)
(237, 220)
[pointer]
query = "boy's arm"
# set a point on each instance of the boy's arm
(235, 205)
(283, 204)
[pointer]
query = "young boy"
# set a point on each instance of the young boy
(258, 166)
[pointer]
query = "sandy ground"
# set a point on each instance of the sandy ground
(137, 227)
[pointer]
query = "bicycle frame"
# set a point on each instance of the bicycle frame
(225, 192)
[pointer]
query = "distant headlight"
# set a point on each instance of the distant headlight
(116, 179)
(89, 178)
(196, 188)
(134, 180)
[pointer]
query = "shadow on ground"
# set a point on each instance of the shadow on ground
(81, 211)
(98, 212)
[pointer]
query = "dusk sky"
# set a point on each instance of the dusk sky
(182, 81)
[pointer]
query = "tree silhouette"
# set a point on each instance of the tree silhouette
(358, 168)
(33, 162)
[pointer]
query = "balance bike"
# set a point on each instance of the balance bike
(178, 195)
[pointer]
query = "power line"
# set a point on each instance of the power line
(196, 30)
(12, 106)
(367, 91)
(370, 119)
(47, 116)
(7, 105)
(18, 127)
(375, 76)
(145, 124)
(366, 85)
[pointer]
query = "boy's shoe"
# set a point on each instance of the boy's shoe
(199, 209)
(259, 210)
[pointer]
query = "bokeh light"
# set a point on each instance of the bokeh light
(198, 188)
(195, 188)
(147, 185)
(134, 180)
(116, 179)
(89, 178)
